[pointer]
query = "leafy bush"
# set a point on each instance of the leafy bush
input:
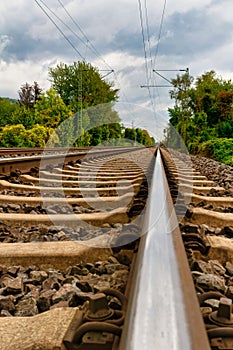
(218, 149)
(18, 136)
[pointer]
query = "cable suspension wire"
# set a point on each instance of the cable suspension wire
(66, 25)
(152, 96)
(148, 35)
(88, 42)
(62, 33)
(160, 31)
(109, 71)
(145, 51)
(143, 40)
(73, 46)
(75, 34)
(158, 42)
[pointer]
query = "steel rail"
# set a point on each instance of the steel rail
(25, 163)
(163, 312)
(49, 150)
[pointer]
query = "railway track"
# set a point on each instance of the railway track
(99, 251)
(22, 151)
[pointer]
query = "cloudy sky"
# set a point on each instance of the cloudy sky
(197, 34)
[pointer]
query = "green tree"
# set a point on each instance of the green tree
(204, 115)
(50, 110)
(181, 93)
(214, 96)
(130, 134)
(24, 116)
(37, 136)
(13, 136)
(147, 140)
(80, 84)
(18, 136)
(89, 96)
(7, 109)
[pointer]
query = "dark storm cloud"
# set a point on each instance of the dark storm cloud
(194, 33)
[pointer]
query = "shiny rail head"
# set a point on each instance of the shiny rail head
(164, 312)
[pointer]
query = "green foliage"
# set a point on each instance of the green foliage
(37, 136)
(139, 136)
(130, 134)
(219, 149)
(50, 110)
(78, 110)
(202, 114)
(225, 129)
(147, 140)
(18, 136)
(24, 116)
(13, 136)
(81, 84)
(7, 109)
(86, 93)
(102, 114)
(84, 140)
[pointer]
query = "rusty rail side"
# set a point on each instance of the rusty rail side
(163, 311)
(24, 163)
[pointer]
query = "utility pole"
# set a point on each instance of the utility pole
(134, 133)
(80, 101)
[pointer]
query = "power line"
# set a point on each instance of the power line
(148, 33)
(150, 54)
(66, 25)
(143, 40)
(144, 47)
(109, 71)
(160, 31)
(158, 42)
(62, 33)
(88, 43)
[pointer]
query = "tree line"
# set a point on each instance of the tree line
(202, 115)
(77, 110)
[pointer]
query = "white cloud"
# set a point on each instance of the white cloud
(18, 73)
(183, 6)
(221, 11)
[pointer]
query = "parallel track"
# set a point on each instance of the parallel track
(67, 215)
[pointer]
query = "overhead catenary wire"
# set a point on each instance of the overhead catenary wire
(109, 71)
(150, 53)
(80, 39)
(66, 25)
(148, 35)
(144, 48)
(90, 45)
(160, 31)
(143, 40)
(88, 42)
(158, 41)
(61, 31)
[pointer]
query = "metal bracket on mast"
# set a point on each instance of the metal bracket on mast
(163, 77)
